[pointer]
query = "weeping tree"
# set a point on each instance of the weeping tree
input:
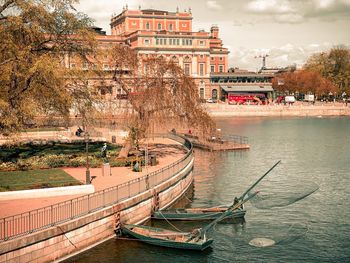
(159, 94)
(37, 40)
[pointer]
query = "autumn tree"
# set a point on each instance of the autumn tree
(158, 92)
(304, 81)
(333, 65)
(36, 36)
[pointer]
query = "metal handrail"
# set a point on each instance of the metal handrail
(42, 218)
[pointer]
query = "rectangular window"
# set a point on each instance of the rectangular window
(201, 93)
(147, 42)
(105, 90)
(178, 41)
(161, 41)
(164, 41)
(170, 41)
(212, 58)
(187, 69)
(221, 68)
(212, 68)
(85, 66)
(201, 69)
(157, 41)
(105, 67)
(202, 43)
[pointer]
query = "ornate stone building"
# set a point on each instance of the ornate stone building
(170, 35)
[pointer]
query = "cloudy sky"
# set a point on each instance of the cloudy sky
(287, 30)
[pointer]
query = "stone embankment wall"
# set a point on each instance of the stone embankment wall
(302, 110)
(62, 241)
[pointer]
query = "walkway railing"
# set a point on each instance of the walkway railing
(39, 219)
(237, 139)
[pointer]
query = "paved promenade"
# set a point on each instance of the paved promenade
(299, 109)
(167, 151)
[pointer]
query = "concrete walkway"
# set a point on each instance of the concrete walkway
(167, 152)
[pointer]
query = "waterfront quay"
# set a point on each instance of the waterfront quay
(51, 229)
(299, 109)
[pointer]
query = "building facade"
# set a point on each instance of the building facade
(170, 35)
(157, 33)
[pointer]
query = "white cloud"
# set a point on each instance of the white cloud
(292, 18)
(324, 3)
(102, 10)
(214, 5)
(282, 56)
(270, 6)
(298, 11)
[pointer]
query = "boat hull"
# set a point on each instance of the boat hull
(186, 215)
(128, 230)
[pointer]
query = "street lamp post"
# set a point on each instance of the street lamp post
(87, 175)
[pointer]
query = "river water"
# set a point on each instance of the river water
(315, 229)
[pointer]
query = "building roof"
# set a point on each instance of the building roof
(239, 74)
(154, 10)
(247, 88)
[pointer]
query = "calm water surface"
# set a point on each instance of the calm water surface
(312, 150)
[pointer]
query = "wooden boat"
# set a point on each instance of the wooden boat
(198, 214)
(194, 240)
(166, 238)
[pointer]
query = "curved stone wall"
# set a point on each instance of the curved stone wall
(61, 241)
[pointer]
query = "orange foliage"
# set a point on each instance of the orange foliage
(304, 81)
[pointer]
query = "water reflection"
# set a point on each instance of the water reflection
(312, 150)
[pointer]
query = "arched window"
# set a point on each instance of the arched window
(187, 59)
(159, 26)
(148, 26)
(174, 59)
(187, 65)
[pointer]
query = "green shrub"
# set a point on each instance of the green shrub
(8, 166)
(124, 162)
(54, 161)
(95, 162)
(117, 163)
(77, 161)
(22, 165)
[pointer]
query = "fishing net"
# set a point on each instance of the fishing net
(280, 235)
(282, 194)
